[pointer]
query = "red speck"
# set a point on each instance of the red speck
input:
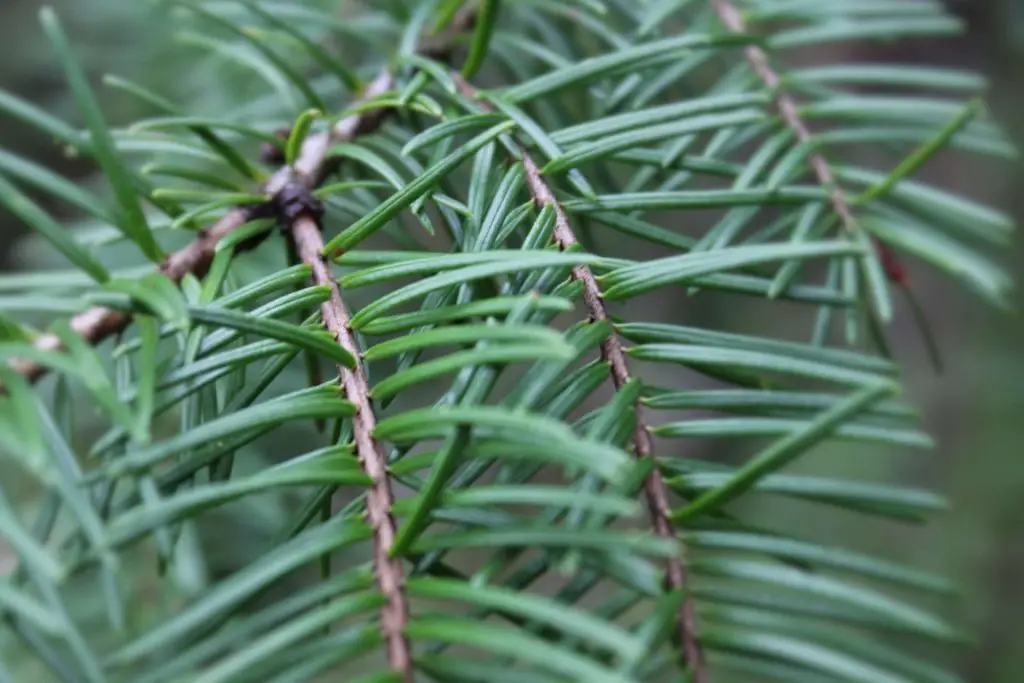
(894, 269)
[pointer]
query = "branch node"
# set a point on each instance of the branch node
(295, 200)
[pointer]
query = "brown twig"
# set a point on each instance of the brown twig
(301, 216)
(643, 444)
(789, 112)
(309, 243)
(99, 323)
(612, 352)
(303, 227)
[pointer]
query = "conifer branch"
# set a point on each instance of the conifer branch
(612, 352)
(290, 198)
(790, 113)
(99, 323)
(301, 213)
(309, 243)
(643, 445)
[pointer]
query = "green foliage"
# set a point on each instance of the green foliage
(518, 474)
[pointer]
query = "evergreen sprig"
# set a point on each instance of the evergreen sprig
(443, 207)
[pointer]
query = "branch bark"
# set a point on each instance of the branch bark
(293, 185)
(788, 109)
(790, 113)
(99, 323)
(302, 224)
(643, 444)
(309, 243)
(655, 493)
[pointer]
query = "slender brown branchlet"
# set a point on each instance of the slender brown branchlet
(309, 243)
(643, 445)
(789, 112)
(300, 214)
(613, 353)
(301, 218)
(98, 323)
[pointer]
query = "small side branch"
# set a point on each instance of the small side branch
(643, 445)
(300, 215)
(789, 112)
(99, 323)
(655, 493)
(309, 243)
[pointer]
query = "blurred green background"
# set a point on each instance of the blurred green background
(975, 409)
